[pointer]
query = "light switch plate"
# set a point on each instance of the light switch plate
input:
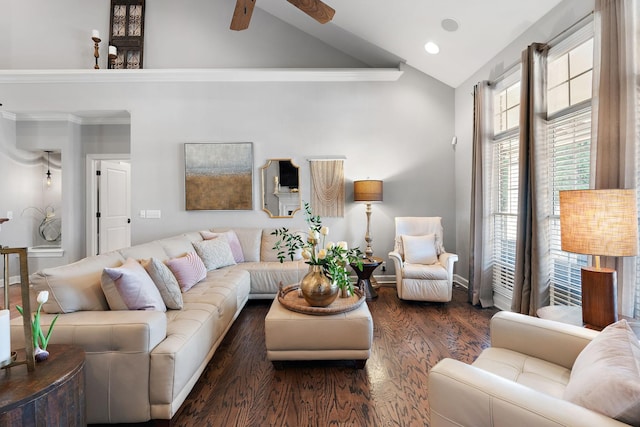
(153, 213)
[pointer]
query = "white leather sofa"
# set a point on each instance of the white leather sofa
(141, 365)
(521, 380)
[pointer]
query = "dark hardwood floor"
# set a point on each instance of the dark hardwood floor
(240, 387)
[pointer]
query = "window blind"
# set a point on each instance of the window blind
(505, 212)
(569, 147)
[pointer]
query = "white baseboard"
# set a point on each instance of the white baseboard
(461, 281)
(12, 280)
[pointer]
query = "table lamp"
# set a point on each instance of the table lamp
(599, 223)
(367, 191)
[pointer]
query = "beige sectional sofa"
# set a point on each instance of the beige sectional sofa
(141, 365)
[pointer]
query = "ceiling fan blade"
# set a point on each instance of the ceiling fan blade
(242, 14)
(315, 9)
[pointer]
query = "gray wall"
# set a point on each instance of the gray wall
(563, 16)
(399, 132)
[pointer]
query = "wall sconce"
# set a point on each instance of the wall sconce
(48, 169)
(367, 191)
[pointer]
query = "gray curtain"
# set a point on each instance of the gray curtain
(480, 275)
(532, 277)
(613, 138)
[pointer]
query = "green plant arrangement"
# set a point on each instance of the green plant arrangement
(40, 340)
(334, 258)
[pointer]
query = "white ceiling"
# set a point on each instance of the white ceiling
(382, 33)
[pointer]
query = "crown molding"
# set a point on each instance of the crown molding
(202, 75)
(64, 117)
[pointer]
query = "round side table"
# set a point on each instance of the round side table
(52, 395)
(364, 276)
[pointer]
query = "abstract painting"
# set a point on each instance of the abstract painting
(218, 176)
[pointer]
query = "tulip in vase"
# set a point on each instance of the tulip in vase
(40, 340)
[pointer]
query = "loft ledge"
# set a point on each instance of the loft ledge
(202, 75)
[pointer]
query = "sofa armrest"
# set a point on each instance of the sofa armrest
(448, 260)
(552, 341)
(397, 266)
(102, 331)
(463, 395)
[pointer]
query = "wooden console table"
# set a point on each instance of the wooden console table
(51, 395)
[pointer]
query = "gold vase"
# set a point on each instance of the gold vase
(317, 289)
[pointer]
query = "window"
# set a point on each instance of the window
(569, 76)
(504, 187)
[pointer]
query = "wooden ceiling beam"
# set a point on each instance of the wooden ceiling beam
(242, 14)
(316, 9)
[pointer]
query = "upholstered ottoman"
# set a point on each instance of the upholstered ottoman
(295, 336)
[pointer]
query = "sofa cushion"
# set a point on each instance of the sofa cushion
(176, 246)
(215, 253)
(145, 251)
(424, 272)
(129, 287)
(420, 249)
(232, 238)
(165, 281)
(188, 269)
(75, 286)
(268, 254)
(606, 374)
(249, 241)
(538, 374)
(266, 276)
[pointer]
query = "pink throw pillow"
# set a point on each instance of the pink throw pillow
(188, 269)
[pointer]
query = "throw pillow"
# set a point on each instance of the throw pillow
(606, 374)
(420, 249)
(232, 238)
(215, 253)
(165, 282)
(129, 287)
(188, 270)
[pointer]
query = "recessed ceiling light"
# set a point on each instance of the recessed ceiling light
(449, 24)
(432, 48)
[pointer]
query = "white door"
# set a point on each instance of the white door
(114, 206)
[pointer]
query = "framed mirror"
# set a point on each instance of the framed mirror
(280, 188)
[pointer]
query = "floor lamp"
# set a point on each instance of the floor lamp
(599, 223)
(367, 191)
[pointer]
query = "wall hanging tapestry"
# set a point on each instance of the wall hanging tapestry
(219, 176)
(327, 187)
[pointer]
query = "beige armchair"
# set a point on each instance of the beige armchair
(539, 373)
(424, 270)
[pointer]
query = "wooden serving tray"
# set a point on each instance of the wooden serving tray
(288, 297)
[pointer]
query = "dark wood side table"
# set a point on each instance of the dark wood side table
(52, 395)
(364, 277)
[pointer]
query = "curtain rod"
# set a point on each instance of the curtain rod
(551, 41)
(322, 158)
(578, 23)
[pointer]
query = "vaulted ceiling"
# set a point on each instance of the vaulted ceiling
(383, 33)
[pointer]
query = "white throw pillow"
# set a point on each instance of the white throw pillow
(215, 253)
(420, 249)
(606, 375)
